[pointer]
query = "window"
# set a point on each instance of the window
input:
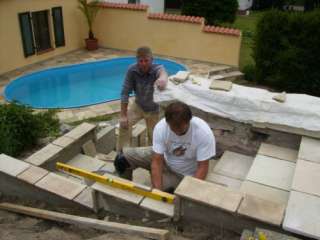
(58, 26)
(26, 34)
(134, 1)
(35, 30)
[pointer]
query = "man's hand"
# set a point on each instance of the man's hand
(162, 80)
(156, 170)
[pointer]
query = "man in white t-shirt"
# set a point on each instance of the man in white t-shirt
(182, 146)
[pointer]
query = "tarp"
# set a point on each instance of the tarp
(247, 104)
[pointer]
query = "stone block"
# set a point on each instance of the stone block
(309, 149)
(221, 85)
(265, 192)
(278, 152)
(228, 182)
(272, 172)
(107, 157)
(108, 167)
(85, 198)
(233, 165)
(303, 215)
(139, 134)
(63, 141)
(60, 185)
(262, 210)
(86, 163)
(282, 97)
(44, 155)
(307, 177)
(106, 140)
(89, 149)
(209, 194)
(12, 166)
(158, 206)
(81, 130)
(33, 174)
(141, 176)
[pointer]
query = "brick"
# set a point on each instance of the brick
(12, 166)
(60, 185)
(33, 174)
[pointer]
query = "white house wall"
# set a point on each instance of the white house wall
(156, 6)
(245, 4)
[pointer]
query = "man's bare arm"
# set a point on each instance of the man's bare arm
(156, 170)
(162, 80)
(202, 170)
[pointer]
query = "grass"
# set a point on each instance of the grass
(97, 119)
(247, 24)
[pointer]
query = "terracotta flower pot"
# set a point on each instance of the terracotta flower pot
(91, 44)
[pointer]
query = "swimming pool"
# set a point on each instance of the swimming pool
(76, 85)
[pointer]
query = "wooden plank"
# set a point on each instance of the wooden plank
(147, 232)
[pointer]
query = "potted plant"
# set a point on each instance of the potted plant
(90, 11)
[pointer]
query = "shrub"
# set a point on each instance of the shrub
(249, 72)
(214, 11)
(20, 127)
(287, 52)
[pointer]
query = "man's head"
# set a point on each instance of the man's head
(178, 116)
(144, 58)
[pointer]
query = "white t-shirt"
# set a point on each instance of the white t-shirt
(183, 152)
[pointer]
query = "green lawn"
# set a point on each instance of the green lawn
(247, 24)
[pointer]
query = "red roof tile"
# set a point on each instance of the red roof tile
(138, 7)
(173, 17)
(221, 30)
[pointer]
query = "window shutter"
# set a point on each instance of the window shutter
(26, 33)
(58, 26)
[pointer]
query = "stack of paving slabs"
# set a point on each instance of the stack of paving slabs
(179, 77)
(221, 85)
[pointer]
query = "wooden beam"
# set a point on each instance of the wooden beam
(146, 232)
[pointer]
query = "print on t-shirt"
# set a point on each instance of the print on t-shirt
(178, 148)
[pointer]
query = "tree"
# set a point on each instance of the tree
(90, 11)
(214, 11)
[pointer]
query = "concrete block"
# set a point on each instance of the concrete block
(221, 85)
(307, 177)
(265, 192)
(309, 149)
(33, 174)
(303, 215)
(158, 207)
(63, 141)
(44, 155)
(85, 198)
(272, 172)
(60, 185)
(89, 149)
(209, 194)
(228, 182)
(86, 163)
(12, 166)
(262, 210)
(234, 165)
(278, 152)
(106, 140)
(108, 167)
(141, 176)
(81, 130)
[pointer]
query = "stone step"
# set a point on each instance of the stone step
(11, 166)
(278, 152)
(309, 149)
(86, 163)
(272, 172)
(216, 70)
(233, 165)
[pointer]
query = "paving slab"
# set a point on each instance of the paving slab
(221, 85)
(234, 165)
(60, 185)
(45, 154)
(108, 167)
(278, 152)
(89, 149)
(142, 176)
(307, 178)
(265, 192)
(158, 207)
(107, 157)
(262, 210)
(86, 163)
(85, 198)
(80, 130)
(272, 172)
(303, 215)
(33, 174)
(310, 149)
(209, 194)
(63, 141)
(224, 181)
(12, 166)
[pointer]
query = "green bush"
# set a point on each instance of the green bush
(20, 127)
(214, 11)
(287, 51)
(249, 72)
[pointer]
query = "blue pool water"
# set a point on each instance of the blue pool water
(76, 85)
